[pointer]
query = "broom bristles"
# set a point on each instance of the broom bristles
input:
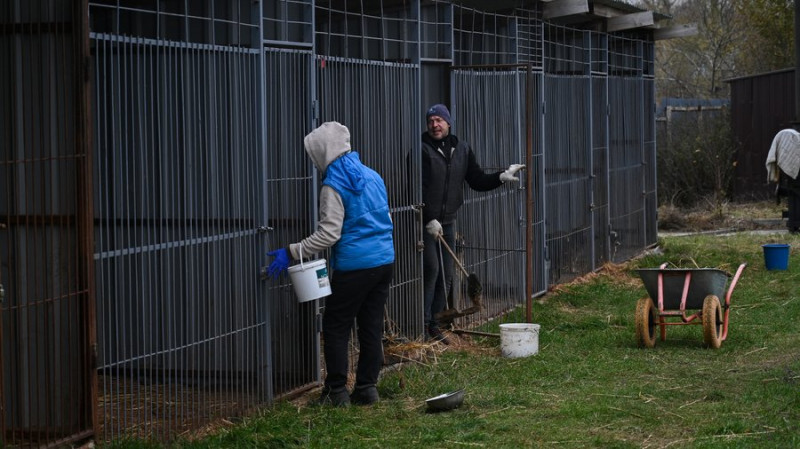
(474, 289)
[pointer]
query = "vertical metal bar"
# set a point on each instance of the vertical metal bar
(587, 43)
(147, 115)
(30, 233)
(606, 107)
(265, 351)
(135, 211)
(13, 280)
(529, 253)
(189, 141)
(169, 329)
(231, 367)
(5, 96)
(49, 304)
(86, 211)
(197, 62)
(209, 299)
(642, 167)
(124, 214)
(105, 83)
(257, 350)
(66, 241)
(541, 112)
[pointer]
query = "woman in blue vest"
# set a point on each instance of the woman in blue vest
(354, 222)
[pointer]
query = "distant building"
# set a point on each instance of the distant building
(761, 105)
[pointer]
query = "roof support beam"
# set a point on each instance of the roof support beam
(630, 21)
(563, 8)
(604, 11)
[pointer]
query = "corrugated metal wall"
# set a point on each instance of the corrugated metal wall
(761, 105)
(46, 297)
(199, 112)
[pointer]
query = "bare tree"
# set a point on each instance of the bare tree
(696, 153)
(735, 38)
(769, 42)
(662, 6)
(696, 158)
(696, 66)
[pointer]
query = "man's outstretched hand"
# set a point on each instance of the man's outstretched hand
(512, 169)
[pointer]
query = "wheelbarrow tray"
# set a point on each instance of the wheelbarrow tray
(703, 282)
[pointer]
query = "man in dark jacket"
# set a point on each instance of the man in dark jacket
(446, 164)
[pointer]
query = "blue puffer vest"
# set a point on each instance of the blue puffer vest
(366, 240)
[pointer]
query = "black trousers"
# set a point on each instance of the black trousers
(436, 284)
(358, 295)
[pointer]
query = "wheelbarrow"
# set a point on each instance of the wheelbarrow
(678, 290)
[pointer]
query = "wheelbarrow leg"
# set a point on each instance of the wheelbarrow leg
(662, 320)
(728, 301)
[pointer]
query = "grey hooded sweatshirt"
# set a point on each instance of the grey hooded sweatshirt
(324, 145)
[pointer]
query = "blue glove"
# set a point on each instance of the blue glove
(280, 264)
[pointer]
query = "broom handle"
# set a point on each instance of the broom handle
(447, 247)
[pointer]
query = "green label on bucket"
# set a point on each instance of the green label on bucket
(322, 277)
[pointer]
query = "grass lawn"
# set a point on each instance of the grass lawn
(590, 385)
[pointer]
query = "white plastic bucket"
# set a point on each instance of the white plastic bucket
(519, 339)
(310, 280)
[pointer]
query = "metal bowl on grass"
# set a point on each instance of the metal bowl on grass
(447, 401)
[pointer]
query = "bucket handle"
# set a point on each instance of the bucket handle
(302, 267)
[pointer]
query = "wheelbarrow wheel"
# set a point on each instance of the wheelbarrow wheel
(646, 317)
(712, 322)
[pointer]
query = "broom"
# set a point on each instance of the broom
(474, 291)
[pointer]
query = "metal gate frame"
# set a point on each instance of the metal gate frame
(531, 219)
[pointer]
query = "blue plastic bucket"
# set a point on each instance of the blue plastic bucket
(776, 256)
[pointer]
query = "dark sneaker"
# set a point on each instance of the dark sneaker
(337, 397)
(435, 334)
(364, 395)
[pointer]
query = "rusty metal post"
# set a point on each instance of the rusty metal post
(85, 212)
(529, 262)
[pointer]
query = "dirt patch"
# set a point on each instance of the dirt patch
(428, 352)
(735, 216)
